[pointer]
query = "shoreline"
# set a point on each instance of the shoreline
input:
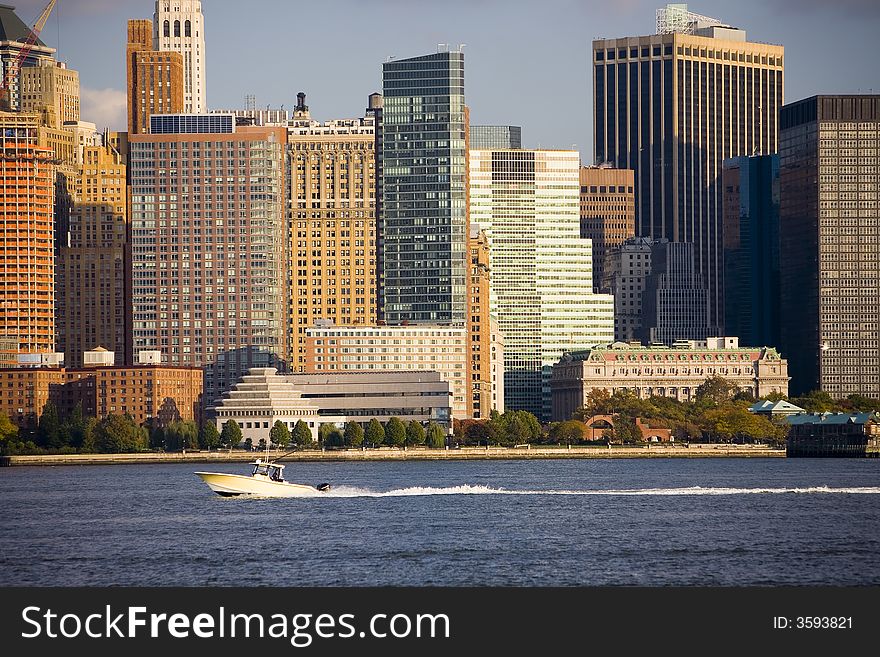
(412, 454)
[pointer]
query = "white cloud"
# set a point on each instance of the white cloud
(106, 108)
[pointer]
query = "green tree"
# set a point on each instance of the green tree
(209, 437)
(261, 446)
(395, 432)
(49, 427)
(375, 433)
(8, 434)
(75, 428)
(119, 433)
(568, 432)
(817, 401)
(354, 434)
(329, 435)
(597, 402)
(230, 435)
(249, 444)
(715, 389)
(302, 435)
(415, 433)
(181, 435)
(279, 433)
(436, 437)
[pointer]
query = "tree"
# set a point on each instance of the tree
(415, 433)
(181, 435)
(49, 427)
(817, 401)
(119, 433)
(280, 434)
(395, 432)
(570, 431)
(597, 402)
(262, 445)
(375, 434)
(209, 437)
(230, 436)
(715, 389)
(8, 433)
(354, 434)
(436, 438)
(249, 444)
(329, 435)
(302, 435)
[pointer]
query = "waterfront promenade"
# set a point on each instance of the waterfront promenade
(412, 453)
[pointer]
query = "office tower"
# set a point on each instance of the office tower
(92, 264)
(672, 107)
(628, 268)
(751, 249)
(332, 168)
(673, 303)
(541, 268)
(178, 26)
(608, 215)
(479, 325)
(829, 249)
(27, 235)
(423, 236)
(209, 245)
(50, 89)
(492, 137)
(155, 79)
(13, 34)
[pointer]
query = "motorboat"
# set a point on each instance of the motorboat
(265, 480)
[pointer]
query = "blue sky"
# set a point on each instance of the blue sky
(526, 63)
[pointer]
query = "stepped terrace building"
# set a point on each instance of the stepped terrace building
(263, 397)
(663, 371)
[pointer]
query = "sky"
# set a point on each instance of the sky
(527, 62)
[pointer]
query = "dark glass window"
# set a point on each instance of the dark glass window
(621, 54)
(610, 54)
(633, 52)
(600, 55)
(656, 51)
(177, 28)
(187, 29)
(644, 52)
(667, 50)
(167, 29)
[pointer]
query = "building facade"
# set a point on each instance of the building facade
(27, 238)
(423, 236)
(51, 90)
(178, 26)
(13, 35)
(674, 301)
(627, 271)
(495, 137)
(608, 215)
(442, 349)
(264, 397)
(479, 326)
(92, 282)
(155, 78)
(829, 248)
(209, 245)
(751, 249)
(665, 372)
(332, 201)
(672, 106)
(541, 268)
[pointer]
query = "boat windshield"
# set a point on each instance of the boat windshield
(275, 474)
(260, 468)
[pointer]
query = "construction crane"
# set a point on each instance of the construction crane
(14, 68)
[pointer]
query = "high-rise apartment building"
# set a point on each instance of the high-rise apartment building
(673, 303)
(423, 236)
(492, 137)
(608, 215)
(672, 106)
(332, 200)
(209, 245)
(751, 249)
(92, 299)
(541, 268)
(829, 243)
(13, 34)
(628, 268)
(27, 238)
(179, 26)
(155, 78)
(479, 325)
(51, 90)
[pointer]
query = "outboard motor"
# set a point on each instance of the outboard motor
(323, 487)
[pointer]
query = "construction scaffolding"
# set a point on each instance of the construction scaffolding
(675, 18)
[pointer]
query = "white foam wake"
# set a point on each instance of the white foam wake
(465, 489)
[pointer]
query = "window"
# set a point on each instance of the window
(187, 29)
(177, 28)
(167, 29)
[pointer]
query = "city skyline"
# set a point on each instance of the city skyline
(502, 74)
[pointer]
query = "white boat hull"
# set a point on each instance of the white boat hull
(232, 484)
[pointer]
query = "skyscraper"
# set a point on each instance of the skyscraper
(178, 26)
(751, 249)
(155, 79)
(495, 136)
(540, 267)
(210, 245)
(333, 224)
(672, 106)
(628, 267)
(423, 235)
(50, 89)
(13, 34)
(27, 235)
(608, 215)
(829, 243)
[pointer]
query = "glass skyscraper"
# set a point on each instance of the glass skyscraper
(495, 136)
(423, 225)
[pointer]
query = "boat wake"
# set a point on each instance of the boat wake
(346, 491)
